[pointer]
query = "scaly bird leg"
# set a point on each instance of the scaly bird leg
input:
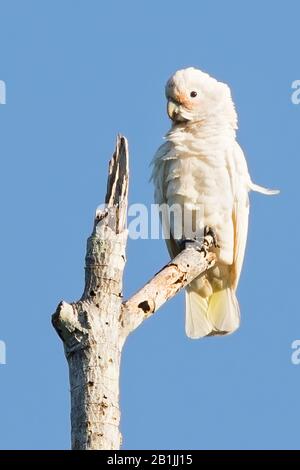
(203, 243)
(209, 231)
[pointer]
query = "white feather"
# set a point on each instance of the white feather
(197, 324)
(262, 190)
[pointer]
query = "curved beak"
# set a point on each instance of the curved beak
(172, 109)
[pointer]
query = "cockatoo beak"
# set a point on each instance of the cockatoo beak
(172, 110)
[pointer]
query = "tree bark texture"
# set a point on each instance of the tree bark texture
(94, 329)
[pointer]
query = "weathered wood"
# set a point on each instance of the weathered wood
(190, 263)
(89, 328)
(94, 329)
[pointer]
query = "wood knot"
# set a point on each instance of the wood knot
(144, 306)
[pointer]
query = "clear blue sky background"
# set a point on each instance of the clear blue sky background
(78, 72)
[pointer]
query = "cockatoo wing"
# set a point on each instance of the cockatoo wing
(163, 154)
(158, 172)
(240, 180)
(240, 223)
(241, 185)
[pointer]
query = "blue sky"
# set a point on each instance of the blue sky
(77, 73)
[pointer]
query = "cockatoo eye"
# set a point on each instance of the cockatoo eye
(193, 94)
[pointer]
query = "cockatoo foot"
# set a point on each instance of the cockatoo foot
(193, 242)
(209, 231)
(201, 244)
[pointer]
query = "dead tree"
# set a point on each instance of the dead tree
(94, 329)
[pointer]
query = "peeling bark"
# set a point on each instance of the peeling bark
(94, 329)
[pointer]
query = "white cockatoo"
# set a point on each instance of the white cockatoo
(202, 169)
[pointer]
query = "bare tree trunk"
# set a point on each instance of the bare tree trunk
(94, 329)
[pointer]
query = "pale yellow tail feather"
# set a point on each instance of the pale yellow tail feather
(223, 311)
(197, 324)
(217, 316)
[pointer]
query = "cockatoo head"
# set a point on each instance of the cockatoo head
(194, 96)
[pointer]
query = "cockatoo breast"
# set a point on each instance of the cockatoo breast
(197, 177)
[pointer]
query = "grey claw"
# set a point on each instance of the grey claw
(199, 245)
(208, 231)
